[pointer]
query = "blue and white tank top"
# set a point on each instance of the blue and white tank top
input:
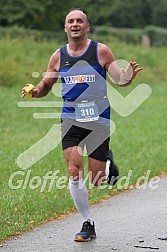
(83, 78)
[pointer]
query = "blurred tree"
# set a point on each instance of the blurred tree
(130, 13)
(158, 12)
(50, 14)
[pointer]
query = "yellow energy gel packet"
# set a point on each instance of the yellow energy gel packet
(27, 91)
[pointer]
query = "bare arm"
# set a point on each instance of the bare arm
(120, 76)
(51, 76)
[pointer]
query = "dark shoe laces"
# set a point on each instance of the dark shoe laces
(85, 226)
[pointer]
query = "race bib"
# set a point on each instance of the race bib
(86, 111)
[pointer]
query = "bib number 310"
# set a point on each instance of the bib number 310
(86, 112)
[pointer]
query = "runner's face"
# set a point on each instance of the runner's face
(76, 25)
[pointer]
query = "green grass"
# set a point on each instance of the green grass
(139, 142)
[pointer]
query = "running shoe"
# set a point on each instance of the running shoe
(87, 232)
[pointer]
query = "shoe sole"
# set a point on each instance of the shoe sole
(81, 239)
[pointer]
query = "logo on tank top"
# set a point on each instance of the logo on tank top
(79, 79)
(67, 63)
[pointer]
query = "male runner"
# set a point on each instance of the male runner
(82, 64)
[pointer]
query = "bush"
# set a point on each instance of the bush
(157, 35)
(127, 35)
(20, 32)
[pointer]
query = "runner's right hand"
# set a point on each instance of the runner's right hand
(34, 91)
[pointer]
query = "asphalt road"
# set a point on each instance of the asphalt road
(132, 221)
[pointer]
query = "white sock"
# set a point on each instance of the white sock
(107, 167)
(79, 194)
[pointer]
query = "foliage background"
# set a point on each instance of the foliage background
(50, 14)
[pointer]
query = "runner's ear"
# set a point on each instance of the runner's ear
(88, 27)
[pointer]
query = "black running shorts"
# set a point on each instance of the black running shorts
(92, 135)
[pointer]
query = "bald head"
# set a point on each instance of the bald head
(76, 25)
(77, 13)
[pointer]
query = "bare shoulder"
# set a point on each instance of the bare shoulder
(105, 54)
(55, 56)
(54, 61)
(102, 47)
